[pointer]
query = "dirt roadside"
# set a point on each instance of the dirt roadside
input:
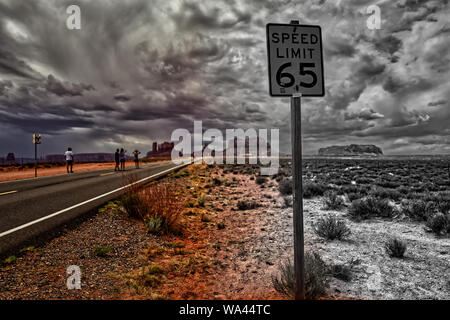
(17, 173)
(226, 251)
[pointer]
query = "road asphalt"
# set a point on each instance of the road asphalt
(31, 209)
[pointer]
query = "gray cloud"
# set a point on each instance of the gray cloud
(59, 88)
(364, 114)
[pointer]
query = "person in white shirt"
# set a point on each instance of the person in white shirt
(69, 159)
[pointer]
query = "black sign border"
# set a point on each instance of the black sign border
(268, 58)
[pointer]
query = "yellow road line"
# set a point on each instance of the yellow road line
(8, 192)
(108, 173)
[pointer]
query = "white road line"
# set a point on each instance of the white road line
(106, 174)
(8, 192)
(83, 203)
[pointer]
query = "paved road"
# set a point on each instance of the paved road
(33, 207)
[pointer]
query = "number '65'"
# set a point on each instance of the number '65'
(291, 80)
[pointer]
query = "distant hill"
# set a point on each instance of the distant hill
(351, 150)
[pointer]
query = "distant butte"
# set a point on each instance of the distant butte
(351, 150)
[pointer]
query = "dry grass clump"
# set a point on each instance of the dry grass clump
(313, 189)
(439, 223)
(162, 204)
(333, 201)
(332, 228)
(417, 209)
(370, 207)
(395, 248)
(316, 277)
(158, 205)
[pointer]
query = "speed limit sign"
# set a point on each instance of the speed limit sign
(295, 60)
(296, 70)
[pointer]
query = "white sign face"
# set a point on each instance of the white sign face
(36, 138)
(295, 60)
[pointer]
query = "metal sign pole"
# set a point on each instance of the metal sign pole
(35, 160)
(297, 191)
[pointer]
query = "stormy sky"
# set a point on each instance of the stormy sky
(137, 70)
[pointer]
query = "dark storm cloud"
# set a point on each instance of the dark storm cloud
(339, 47)
(191, 15)
(389, 44)
(436, 103)
(364, 114)
(363, 72)
(60, 89)
(4, 86)
(122, 97)
(139, 69)
(44, 125)
(11, 65)
(397, 85)
(179, 64)
(368, 67)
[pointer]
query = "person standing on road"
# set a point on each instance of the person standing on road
(69, 159)
(117, 160)
(136, 154)
(122, 157)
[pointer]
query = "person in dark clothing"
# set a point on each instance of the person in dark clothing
(136, 154)
(117, 159)
(122, 158)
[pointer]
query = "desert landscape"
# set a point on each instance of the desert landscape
(374, 229)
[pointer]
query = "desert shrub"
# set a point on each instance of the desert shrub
(261, 180)
(101, 250)
(353, 189)
(285, 186)
(331, 228)
(221, 225)
(316, 280)
(395, 248)
(363, 180)
(312, 189)
(131, 200)
(354, 196)
(403, 190)
(162, 203)
(340, 181)
(9, 260)
(443, 202)
(152, 276)
(438, 223)
(386, 193)
(133, 204)
(154, 224)
(417, 195)
(287, 201)
(388, 184)
(333, 201)
(447, 216)
(246, 205)
(341, 271)
(418, 210)
(369, 207)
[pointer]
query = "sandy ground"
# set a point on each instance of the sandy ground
(233, 262)
(13, 173)
(422, 274)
